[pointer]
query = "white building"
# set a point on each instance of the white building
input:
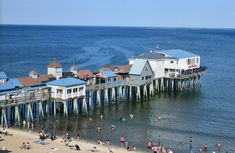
(67, 88)
(141, 73)
(55, 68)
(169, 63)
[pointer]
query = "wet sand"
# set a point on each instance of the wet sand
(13, 142)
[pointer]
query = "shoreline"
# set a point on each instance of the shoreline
(13, 141)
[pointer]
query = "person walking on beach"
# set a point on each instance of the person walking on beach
(159, 140)
(149, 144)
(122, 139)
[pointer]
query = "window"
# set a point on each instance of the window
(81, 88)
(193, 60)
(172, 61)
(59, 91)
(189, 61)
(149, 77)
(142, 77)
(146, 68)
(197, 60)
(75, 90)
(146, 77)
(69, 91)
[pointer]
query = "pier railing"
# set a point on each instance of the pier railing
(107, 85)
(186, 74)
(23, 98)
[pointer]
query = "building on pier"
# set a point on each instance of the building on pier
(141, 73)
(66, 88)
(55, 69)
(170, 63)
(86, 75)
(3, 77)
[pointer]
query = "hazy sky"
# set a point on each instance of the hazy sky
(153, 13)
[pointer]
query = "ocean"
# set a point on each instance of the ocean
(208, 114)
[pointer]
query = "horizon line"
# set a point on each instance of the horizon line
(119, 26)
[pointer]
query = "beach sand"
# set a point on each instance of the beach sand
(13, 142)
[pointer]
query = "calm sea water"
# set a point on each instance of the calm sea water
(208, 115)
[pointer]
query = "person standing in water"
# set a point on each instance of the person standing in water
(149, 144)
(190, 142)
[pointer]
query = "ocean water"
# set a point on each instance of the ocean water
(208, 115)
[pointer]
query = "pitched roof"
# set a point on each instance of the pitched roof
(107, 67)
(138, 66)
(74, 67)
(42, 79)
(67, 74)
(3, 75)
(55, 64)
(123, 68)
(178, 53)
(85, 74)
(33, 72)
(10, 84)
(151, 55)
(66, 82)
(108, 74)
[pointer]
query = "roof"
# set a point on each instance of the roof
(85, 74)
(138, 66)
(107, 67)
(33, 72)
(123, 68)
(54, 64)
(66, 82)
(108, 74)
(178, 53)
(10, 84)
(151, 55)
(74, 67)
(3, 75)
(29, 81)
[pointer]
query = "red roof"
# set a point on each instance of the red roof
(85, 74)
(29, 81)
(55, 64)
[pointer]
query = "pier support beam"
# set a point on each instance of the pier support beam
(75, 105)
(120, 93)
(138, 93)
(145, 92)
(113, 94)
(151, 90)
(29, 112)
(130, 92)
(84, 105)
(98, 102)
(40, 109)
(65, 108)
(17, 115)
(106, 96)
(4, 118)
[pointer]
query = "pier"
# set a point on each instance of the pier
(22, 100)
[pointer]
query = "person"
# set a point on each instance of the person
(218, 145)
(206, 147)
(23, 146)
(122, 139)
(149, 144)
(131, 116)
(159, 140)
(98, 130)
(126, 144)
(113, 128)
(190, 142)
(155, 149)
(101, 117)
(78, 136)
(108, 142)
(28, 146)
(77, 147)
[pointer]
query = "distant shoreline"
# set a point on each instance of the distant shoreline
(120, 26)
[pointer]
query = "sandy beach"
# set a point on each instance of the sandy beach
(13, 142)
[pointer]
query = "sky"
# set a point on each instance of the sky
(143, 13)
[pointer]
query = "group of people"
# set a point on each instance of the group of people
(159, 148)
